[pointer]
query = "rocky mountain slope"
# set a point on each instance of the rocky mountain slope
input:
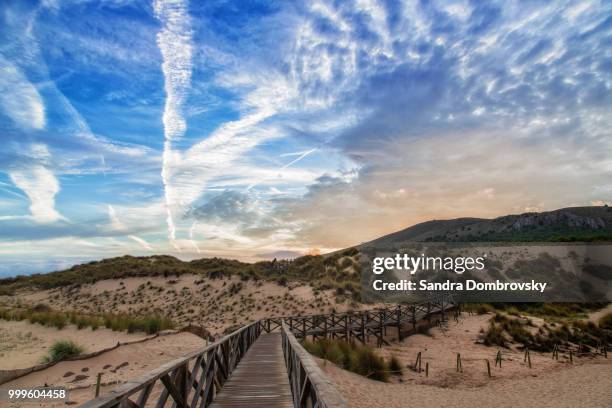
(566, 224)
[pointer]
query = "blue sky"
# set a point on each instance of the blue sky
(250, 129)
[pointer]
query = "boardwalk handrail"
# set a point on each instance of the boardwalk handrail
(203, 371)
(363, 324)
(310, 387)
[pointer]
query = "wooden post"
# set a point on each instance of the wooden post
(488, 368)
(363, 334)
(426, 369)
(417, 363)
(529, 358)
(399, 323)
(325, 326)
(498, 359)
(459, 367)
(98, 383)
(346, 326)
(571, 357)
(381, 329)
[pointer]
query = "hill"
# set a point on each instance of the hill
(584, 224)
(321, 272)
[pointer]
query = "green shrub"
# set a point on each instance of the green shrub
(395, 366)
(61, 350)
(478, 308)
(366, 362)
(494, 336)
(606, 322)
(148, 324)
(359, 359)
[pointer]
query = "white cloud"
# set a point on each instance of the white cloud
(41, 186)
(19, 98)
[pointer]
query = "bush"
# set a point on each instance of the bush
(606, 322)
(366, 362)
(61, 350)
(148, 324)
(494, 336)
(359, 359)
(395, 366)
(478, 308)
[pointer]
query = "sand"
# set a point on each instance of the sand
(588, 385)
(549, 383)
(216, 304)
(595, 316)
(23, 344)
(117, 366)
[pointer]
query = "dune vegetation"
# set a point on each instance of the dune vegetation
(45, 316)
(358, 358)
(61, 350)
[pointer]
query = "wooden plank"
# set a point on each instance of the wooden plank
(260, 379)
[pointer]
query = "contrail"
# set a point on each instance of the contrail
(191, 234)
(291, 163)
(300, 157)
(141, 241)
(174, 42)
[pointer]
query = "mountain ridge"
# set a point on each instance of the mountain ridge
(569, 224)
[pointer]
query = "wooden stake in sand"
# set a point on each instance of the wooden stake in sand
(459, 367)
(98, 382)
(417, 363)
(426, 369)
(488, 367)
(527, 357)
(498, 358)
(571, 357)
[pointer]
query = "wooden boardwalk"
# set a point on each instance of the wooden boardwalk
(260, 379)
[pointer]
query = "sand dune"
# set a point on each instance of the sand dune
(117, 366)
(587, 385)
(23, 344)
(549, 383)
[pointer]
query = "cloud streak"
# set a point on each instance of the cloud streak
(174, 41)
(19, 98)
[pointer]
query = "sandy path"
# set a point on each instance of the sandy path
(80, 376)
(23, 344)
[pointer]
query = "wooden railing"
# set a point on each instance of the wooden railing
(310, 387)
(190, 381)
(362, 325)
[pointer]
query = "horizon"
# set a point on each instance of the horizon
(279, 255)
(245, 131)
